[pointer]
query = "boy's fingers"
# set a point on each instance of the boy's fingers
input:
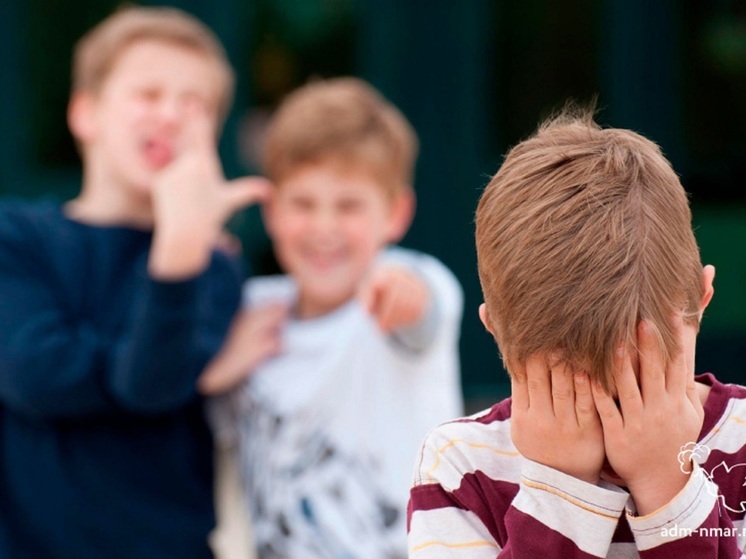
(539, 383)
(652, 372)
(677, 375)
(243, 192)
(585, 409)
(390, 304)
(628, 392)
(608, 413)
(272, 316)
(519, 390)
(198, 130)
(369, 295)
(563, 392)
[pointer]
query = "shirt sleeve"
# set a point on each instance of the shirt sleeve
(446, 302)
(692, 525)
(52, 366)
(154, 366)
(455, 513)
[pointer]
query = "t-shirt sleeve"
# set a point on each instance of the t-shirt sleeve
(452, 508)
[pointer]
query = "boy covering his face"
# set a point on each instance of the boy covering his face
(609, 445)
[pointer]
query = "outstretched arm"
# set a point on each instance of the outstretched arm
(398, 298)
(412, 296)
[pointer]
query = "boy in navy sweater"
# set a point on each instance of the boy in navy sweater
(114, 303)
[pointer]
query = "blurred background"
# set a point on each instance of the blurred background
(474, 77)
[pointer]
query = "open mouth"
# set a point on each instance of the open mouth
(325, 258)
(158, 153)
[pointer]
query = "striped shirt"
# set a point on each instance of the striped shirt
(475, 497)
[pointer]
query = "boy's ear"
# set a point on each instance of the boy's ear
(402, 213)
(708, 276)
(485, 319)
(80, 116)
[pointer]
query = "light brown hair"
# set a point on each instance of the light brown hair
(344, 120)
(582, 233)
(97, 51)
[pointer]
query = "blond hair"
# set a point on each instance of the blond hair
(96, 53)
(582, 233)
(345, 120)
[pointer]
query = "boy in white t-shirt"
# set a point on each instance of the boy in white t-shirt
(363, 339)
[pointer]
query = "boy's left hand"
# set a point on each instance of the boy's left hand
(395, 297)
(644, 435)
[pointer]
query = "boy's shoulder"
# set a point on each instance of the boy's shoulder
(479, 442)
(725, 414)
(26, 227)
(18, 214)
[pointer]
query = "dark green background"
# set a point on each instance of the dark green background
(474, 77)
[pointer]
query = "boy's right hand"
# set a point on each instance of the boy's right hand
(192, 201)
(554, 420)
(254, 337)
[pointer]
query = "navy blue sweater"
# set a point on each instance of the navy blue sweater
(104, 451)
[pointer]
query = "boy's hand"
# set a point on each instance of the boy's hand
(254, 337)
(553, 419)
(395, 297)
(192, 201)
(643, 436)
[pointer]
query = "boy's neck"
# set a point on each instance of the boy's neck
(308, 308)
(108, 204)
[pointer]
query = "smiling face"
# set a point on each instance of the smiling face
(132, 127)
(327, 224)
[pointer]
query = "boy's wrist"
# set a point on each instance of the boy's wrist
(176, 257)
(656, 491)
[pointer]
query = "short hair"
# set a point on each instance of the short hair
(582, 233)
(345, 120)
(96, 52)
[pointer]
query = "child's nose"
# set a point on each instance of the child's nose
(171, 112)
(325, 221)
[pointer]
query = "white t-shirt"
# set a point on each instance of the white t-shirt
(329, 430)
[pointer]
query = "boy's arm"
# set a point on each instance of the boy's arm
(691, 526)
(254, 336)
(646, 438)
(158, 366)
(411, 295)
(53, 365)
(49, 367)
(462, 509)
(173, 330)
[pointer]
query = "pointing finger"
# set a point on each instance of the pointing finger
(243, 192)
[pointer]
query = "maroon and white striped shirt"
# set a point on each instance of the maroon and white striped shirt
(476, 497)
